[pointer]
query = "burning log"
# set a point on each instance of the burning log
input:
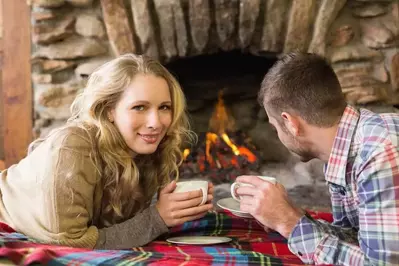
(220, 158)
(221, 154)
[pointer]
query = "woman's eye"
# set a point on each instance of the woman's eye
(165, 107)
(138, 108)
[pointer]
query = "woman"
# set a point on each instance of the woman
(90, 183)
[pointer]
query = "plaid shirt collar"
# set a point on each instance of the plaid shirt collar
(334, 170)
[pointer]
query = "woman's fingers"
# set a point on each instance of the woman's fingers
(190, 203)
(193, 211)
(178, 207)
(210, 187)
(209, 198)
(184, 196)
(187, 203)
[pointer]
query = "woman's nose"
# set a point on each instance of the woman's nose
(153, 120)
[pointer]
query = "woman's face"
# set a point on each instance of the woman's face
(144, 113)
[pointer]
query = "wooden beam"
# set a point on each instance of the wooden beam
(1, 91)
(16, 80)
(1, 107)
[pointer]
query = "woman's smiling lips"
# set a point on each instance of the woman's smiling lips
(149, 138)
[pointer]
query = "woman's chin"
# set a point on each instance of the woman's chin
(143, 151)
(146, 149)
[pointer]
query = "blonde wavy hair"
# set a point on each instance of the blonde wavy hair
(122, 177)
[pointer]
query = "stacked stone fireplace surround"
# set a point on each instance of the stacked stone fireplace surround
(359, 37)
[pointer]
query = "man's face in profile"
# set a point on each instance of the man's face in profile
(291, 142)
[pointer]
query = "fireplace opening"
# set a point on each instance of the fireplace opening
(221, 91)
(238, 73)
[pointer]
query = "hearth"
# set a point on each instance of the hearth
(221, 91)
(222, 153)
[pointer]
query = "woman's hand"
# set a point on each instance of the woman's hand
(178, 208)
(210, 192)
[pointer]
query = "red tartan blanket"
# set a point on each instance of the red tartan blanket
(251, 245)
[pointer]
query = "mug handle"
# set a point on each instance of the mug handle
(204, 196)
(233, 191)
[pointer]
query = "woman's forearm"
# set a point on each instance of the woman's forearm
(137, 231)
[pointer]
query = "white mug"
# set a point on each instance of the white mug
(235, 185)
(186, 186)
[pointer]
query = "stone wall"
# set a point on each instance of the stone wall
(73, 37)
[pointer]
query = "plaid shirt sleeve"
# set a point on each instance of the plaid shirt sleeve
(377, 241)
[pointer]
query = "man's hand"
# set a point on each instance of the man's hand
(269, 204)
(178, 208)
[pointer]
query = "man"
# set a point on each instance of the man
(304, 102)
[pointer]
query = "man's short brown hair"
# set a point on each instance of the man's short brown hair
(305, 84)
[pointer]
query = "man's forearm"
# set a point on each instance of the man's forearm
(322, 243)
(290, 221)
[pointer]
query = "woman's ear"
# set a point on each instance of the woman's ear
(110, 116)
(291, 123)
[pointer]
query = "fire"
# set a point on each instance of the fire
(220, 151)
(186, 152)
(231, 145)
(221, 120)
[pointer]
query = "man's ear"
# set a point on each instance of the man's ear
(291, 123)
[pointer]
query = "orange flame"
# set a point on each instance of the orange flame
(220, 120)
(186, 152)
(231, 145)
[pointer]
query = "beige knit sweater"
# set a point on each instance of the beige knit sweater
(43, 199)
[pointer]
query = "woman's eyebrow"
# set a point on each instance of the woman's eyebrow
(138, 102)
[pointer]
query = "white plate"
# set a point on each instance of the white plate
(233, 206)
(198, 240)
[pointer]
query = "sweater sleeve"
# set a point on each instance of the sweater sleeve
(71, 181)
(48, 195)
(144, 227)
(74, 184)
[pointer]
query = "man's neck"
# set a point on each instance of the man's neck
(322, 140)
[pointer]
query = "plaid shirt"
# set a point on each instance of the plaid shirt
(363, 177)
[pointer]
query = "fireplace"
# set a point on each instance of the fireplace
(234, 74)
(221, 91)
